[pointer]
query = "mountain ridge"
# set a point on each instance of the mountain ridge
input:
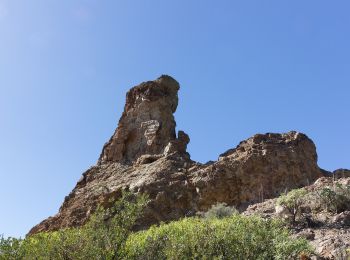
(146, 155)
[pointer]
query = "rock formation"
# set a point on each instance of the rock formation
(147, 125)
(340, 173)
(145, 156)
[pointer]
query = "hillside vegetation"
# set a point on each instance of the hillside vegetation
(109, 235)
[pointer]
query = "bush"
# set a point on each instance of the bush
(10, 248)
(235, 237)
(103, 237)
(292, 201)
(220, 210)
(108, 235)
(335, 199)
(63, 244)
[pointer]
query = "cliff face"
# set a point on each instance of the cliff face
(145, 155)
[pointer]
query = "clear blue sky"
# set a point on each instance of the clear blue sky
(245, 67)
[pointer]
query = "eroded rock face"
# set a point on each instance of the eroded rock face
(145, 156)
(147, 124)
(261, 167)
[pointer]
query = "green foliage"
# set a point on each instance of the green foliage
(10, 248)
(235, 237)
(103, 237)
(328, 197)
(220, 210)
(335, 199)
(108, 235)
(292, 201)
(109, 228)
(64, 244)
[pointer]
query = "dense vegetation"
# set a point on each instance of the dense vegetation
(103, 237)
(335, 198)
(235, 237)
(108, 235)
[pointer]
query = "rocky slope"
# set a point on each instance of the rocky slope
(145, 155)
(328, 232)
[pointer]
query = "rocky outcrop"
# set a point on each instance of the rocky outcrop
(341, 173)
(145, 156)
(261, 167)
(147, 125)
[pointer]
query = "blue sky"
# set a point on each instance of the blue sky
(245, 67)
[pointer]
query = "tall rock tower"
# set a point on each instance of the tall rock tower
(147, 125)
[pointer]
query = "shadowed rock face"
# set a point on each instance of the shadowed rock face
(145, 156)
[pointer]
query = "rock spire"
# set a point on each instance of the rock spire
(147, 125)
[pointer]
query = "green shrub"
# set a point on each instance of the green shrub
(103, 237)
(292, 201)
(108, 235)
(64, 244)
(235, 237)
(220, 210)
(335, 199)
(10, 248)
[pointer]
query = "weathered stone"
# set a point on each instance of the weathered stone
(342, 218)
(308, 234)
(331, 243)
(145, 156)
(178, 145)
(282, 212)
(341, 173)
(147, 124)
(148, 158)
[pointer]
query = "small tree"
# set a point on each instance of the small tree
(292, 201)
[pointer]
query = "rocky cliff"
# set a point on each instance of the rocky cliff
(145, 155)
